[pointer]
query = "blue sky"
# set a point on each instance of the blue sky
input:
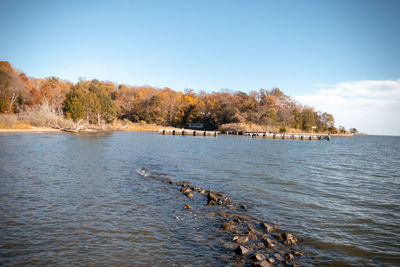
(303, 47)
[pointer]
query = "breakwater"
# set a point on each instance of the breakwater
(248, 240)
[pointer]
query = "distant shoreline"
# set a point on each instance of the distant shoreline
(53, 130)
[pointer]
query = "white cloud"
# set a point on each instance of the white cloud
(369, 106)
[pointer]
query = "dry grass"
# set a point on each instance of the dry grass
(7, 121)
(251, 127)
(247, 127)
(40, 116)
(21, 126)
(142, 126)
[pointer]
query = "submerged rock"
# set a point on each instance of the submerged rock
(228, 226)
(278, 257)
(230, 245)
(289, 257)
(252, 236)
(289, 239)
(268, 243)
(212, 196)
(268, 227)
(262, 263)
(244, 207)
(187, 207)
(185, 190)
(260, 245)
(258, 257)
(241, 250)
(242, 240)
(298, 253)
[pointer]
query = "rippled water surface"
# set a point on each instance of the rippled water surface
(87, 199)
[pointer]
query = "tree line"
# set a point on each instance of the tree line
(103, 102)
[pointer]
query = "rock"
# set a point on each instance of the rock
(189, 195)
(271, 260)
(203, 192)
(230, 245)
(235, 238)
(185, 190)
(279, 237)
(228, 226)
(196, 188)
(268, 227)
(240, 250)
(298, 253)
(289, 257)
(268, 243)
(278, 257)
(212, 196)
(289, 239)
(252, 236)
(237, 219)
(263, 263)
(258, 257)
(187, 207)
(211, 214)
(260, 245)
(242, 240)
(166, 180)
(250, 228)
(244, 207)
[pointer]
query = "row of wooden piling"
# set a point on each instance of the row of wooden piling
(287, 136)
(188, 132)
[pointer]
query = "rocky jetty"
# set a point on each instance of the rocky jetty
(252, 242)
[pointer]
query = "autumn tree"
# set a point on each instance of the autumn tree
(53, 91)
(13, 91)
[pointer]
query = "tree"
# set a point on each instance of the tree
(54, 91)
(75, 103)
(13, 90)
(308, 118)
(100, 102)
(324, 121)
(353, 130)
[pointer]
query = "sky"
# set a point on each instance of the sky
(341, 57)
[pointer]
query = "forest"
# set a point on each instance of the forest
(103, 102)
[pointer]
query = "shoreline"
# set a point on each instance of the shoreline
(33, 129)
(137, 129)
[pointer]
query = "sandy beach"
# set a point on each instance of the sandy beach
(32, 130)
